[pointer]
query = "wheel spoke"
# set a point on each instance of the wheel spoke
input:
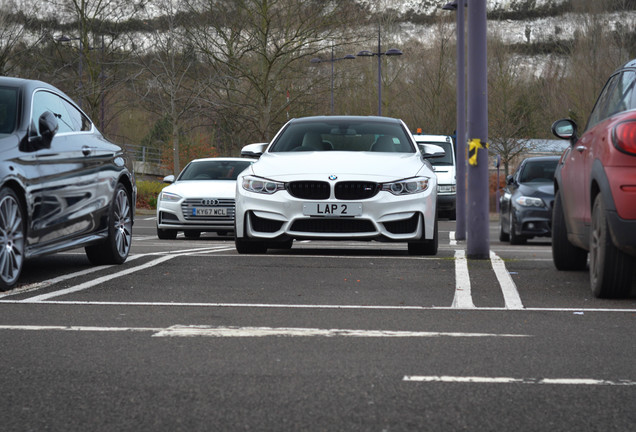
(11, 241)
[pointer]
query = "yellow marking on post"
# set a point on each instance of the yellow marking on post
(473, 146)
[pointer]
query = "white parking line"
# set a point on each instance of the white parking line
(463, 298)
(509, 380)
(242, 332)
(508, 287)
(97, 281)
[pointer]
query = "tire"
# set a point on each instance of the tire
(610, 269)
(515, 239)
(193, 235)
(250, 247)
(166, 234)
(116, 247)
(425, 247)
(565, 255)
(12, 238)
(503, 236)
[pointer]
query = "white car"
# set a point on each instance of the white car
(201, 199)
(338, 178)
(445, 169)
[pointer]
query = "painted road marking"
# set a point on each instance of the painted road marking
(463, 298)
(508, 286)
(242, 332)
(509, 380)
(181, 330)
(574, 311)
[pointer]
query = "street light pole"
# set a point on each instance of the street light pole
(379, 53)
(460, 130)
(478, 243)
(332, 60)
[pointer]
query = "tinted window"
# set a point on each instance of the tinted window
(69, 118)
(615, 97)
(343, 135)
(213, 170)
(8, 109)
(538, 171)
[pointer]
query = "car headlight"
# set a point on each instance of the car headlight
(406, 187)
(261, 185)
(529, 201)
(169, 197)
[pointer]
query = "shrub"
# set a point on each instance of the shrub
(147, 193)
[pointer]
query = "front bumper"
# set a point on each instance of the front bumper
(446, 202)
(533, 222)
(182, 215)
(383, 217)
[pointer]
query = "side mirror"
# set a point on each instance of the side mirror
(565, 129)
(42, 137)
(168, 179)
(48, 126)
(254, 151)
(510, 179)
(430, 151)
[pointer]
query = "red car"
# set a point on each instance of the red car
(595, 190)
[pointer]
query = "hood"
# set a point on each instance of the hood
(380, 167)
(537, 189)
(203, 188)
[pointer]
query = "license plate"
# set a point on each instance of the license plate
(209, 211)
(332, 209)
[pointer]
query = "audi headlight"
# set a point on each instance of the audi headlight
(261, 185)
(406, 187)
(526, 201)
(169, 197)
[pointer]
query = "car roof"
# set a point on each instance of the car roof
(629, 65)
(433, 138)
(220, 159)
(541, 158)
(27, 84)
(345, 118)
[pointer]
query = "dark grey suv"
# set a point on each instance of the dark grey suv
(63, 185)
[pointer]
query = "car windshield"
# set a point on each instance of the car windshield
(213, 170)
(538, 171)
(8, 108)
(343, 135)
(447, 160)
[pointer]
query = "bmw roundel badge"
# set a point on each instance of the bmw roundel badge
(333, 177)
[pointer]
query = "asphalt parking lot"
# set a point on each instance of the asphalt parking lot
(189, 335)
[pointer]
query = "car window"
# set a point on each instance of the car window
(343, 135)
(615, 97)
(213, 170)
(538, 171)
(70, 119)
(8, 109)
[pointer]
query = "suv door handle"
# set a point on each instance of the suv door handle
(86, 150)
(581, 148)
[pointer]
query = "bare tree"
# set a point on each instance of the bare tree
(98, 45)
(258, 49)
(509, 105)
(168, 83)
(15, 41)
